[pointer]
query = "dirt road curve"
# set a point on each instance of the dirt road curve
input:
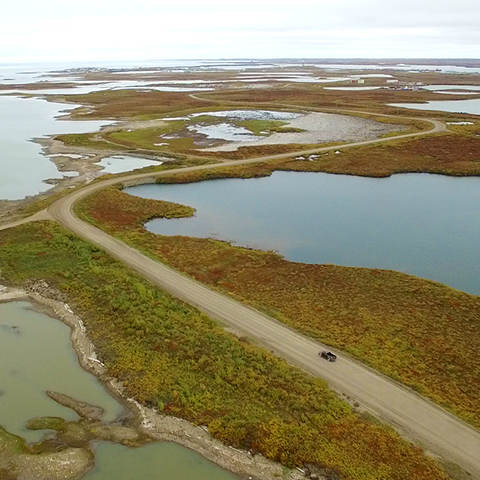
(420, 419)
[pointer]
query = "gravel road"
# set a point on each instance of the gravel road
(419, 418)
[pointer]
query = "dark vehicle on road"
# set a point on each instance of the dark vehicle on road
(331, 357)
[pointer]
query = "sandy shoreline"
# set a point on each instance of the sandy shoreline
(151, 423)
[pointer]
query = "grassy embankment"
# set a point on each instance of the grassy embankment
(175, 358)
(420, 333)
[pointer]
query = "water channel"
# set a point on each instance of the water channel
(421, 224)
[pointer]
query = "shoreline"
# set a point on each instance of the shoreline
(163, 428)
(63, 157)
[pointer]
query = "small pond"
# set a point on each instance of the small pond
(436, 88)
(249, 115)
(125, 163)
(424, 225)
(315, 128)
(352, 89)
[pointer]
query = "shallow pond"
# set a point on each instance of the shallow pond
(124, 163)
(425, 225)
(316, 128)
(249, 114)
(223, 131)
(157, 461)
(455, 106)
(36, 355)
(20, 121)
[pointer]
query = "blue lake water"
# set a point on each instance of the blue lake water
(424, 225)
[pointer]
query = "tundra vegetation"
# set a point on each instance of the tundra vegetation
(453, 153)
(172, 357)
(421, 333)
(317, 97)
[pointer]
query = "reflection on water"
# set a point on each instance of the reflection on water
(425, 225)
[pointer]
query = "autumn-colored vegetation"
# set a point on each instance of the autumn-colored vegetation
(123, 104)
(447, 154)
(112, 208)
(315, 96)
(175, 358)
(142, 105)
(421, 333)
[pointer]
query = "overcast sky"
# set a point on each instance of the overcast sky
(49, 30)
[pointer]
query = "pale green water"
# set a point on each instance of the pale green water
(37, 356)
(157, 461)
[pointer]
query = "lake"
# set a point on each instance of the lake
(24, 168)
(455, 106)
(424, 225)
